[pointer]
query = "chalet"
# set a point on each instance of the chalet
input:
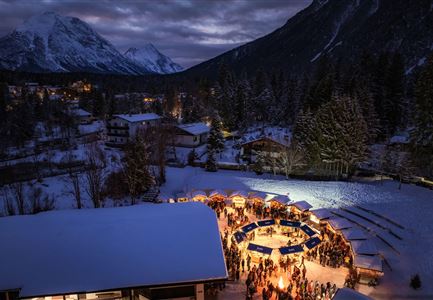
(121, 128)
(82, 116)
(271, 145)
(137, 252)
(191, 135)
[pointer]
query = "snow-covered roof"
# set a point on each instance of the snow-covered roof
(79, 112)
(400, 139)
(349, 294)
(194, 128)
(256, 194)
(339, 223)
(373, 262)
(138, 117)
(302, 205)
(366, 247)
(277, 134)
(353, 233)
(239, 194)
(217, 193)
(281, 199)
(322, 213)
(198, 193)
(70, 251)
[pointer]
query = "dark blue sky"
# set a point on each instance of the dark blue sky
(189, 31)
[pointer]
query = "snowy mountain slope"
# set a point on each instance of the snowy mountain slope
(53, 43)
(149, 57)
(341, 29)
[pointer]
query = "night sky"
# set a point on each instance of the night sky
(189, 31)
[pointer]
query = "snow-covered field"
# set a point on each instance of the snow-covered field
(410, 207)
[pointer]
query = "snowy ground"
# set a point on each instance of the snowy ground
(410, 207)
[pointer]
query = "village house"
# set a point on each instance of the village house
(191, 135)
(122, 127)
(271, 144)
(82, 116)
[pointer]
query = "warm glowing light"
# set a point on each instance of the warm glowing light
(281, 283)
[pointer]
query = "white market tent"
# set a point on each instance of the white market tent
(321, 213)
(354, 233)
(302, 205)
(339, 223)
(349, 294)
(257, 194)
(214, 193)
(89, 250)
(368, 262)
(366, 247)
(284, 200)
(238, 193)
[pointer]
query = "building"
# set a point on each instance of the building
(191, 135)
(82, 116)
(121, 128)
(148, 251)
(269, 145)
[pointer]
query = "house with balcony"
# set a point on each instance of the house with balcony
(191, 135)
(121, 128)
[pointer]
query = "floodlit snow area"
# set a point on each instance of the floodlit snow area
(398, 222)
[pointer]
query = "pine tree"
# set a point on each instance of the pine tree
(422, 134)
(192, 157)
(215, 141)
(211, 164)
(259, 163)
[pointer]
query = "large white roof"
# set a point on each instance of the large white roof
(138, 117)
(349, 294)
(373, 262)
(71, 251)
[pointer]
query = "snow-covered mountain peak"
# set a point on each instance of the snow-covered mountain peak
(149, 56)
(50, 42)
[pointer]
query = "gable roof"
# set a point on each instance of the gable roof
(194, 128)
(89, 250)
(138, 117)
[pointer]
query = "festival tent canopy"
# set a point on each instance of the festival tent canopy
(302, 205)
(351, 234)
(284, 200)
(258, 248)
(290, 223)
(239, 236)
(366, 247)
(313, 242)
(340, 223)
(349, 294)
(259, 195)
(307, 229)
(249, 227)
(242, 194)
(322, 213)
(198, 193)
(76, 251)
(291, 249)
(266, 223)
(214, 193)
(368, 262)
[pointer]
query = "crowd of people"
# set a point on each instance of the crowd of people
(260, 276)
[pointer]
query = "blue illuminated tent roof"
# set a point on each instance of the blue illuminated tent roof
(313, 242)
(239, 236)
(266, 223)
(249, 227)
(258, 248)
(310, 232)
(291, 249)
(290, 223)
(301, 205)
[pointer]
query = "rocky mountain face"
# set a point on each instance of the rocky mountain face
(341, 29)
(149, 57)
(53, 43)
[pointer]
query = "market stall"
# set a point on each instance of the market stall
(258, 252)
(217, 195)
(278, 201)
(336, 224)
(353, 234)
(239, 198)
(366, 247)
(182, 197)
(301, 209)
(319, 217)
(368, 267)
(257, 198)
(199, 196)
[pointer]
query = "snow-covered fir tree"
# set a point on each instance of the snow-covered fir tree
(215, 141)
(211, 164)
